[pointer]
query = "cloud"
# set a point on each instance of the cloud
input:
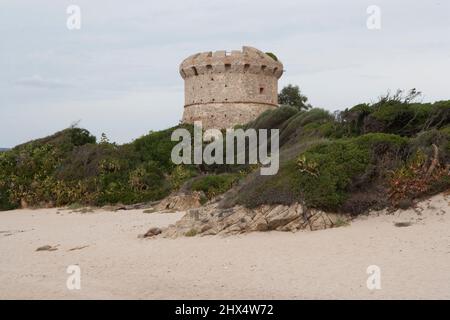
(37, 81)
(119, 73)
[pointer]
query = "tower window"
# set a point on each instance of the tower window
(261, 90)
(227, 67)
(246, 67)
(195, 71)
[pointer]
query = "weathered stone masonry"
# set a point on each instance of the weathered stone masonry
(223, 90)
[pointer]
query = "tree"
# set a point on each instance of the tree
(292, 96)
(104, 139)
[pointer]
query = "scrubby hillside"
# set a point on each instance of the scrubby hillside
(369, 156)
(71, 167)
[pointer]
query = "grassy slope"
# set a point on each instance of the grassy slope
(348, 162)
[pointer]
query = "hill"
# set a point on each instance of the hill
(368, 156)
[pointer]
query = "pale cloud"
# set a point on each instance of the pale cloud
(38, 81)
(119, 73)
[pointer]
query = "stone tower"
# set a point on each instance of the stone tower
(225, 89)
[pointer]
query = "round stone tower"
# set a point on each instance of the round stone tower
(225, 89)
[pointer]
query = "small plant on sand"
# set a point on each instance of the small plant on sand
(74, 206)
(214, 185)
(416, 177)
(191, 233)
(341, 223)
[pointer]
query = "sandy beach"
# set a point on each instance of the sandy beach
(413, 256)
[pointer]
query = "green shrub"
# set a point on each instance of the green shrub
(272, 55)
(191, 233)
(180, 174)
(214, 185)
(304, 124)
(272, 119)
(157, 146)
(425, 140)
(339, 161)
(323, 175)
(69, 167)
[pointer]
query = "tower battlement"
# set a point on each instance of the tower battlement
(225, 89)
(249, 60)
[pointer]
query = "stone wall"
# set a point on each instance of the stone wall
(223, 115)
(223, 90)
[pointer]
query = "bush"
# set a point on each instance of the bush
(421, 175)
(272, 119)
(214, 185)
(323, 176)
(70, 167)
(157, 146)
(396, 115)
(346, 161)
(191, 233)
(272, 55)
(292, 96)
(306, 123)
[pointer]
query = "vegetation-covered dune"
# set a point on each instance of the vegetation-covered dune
(369, 156)
(71, 167)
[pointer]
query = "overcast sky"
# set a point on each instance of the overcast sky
(119, 73)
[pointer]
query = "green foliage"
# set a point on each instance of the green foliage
(417, 177)
(157, 146)
(322, 176)
(272, 55)
(446, 145)
(191, 233)
(396, 114)
(344, 161)
(306, 123)
(180, 174)
(69, 167)
(341, 161)
(292, 96)
(214, 185)
(272, 119)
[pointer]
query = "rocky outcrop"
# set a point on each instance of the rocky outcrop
(180, 202)
(212, 220)
(151, 233)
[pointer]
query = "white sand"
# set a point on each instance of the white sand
(414, 261)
